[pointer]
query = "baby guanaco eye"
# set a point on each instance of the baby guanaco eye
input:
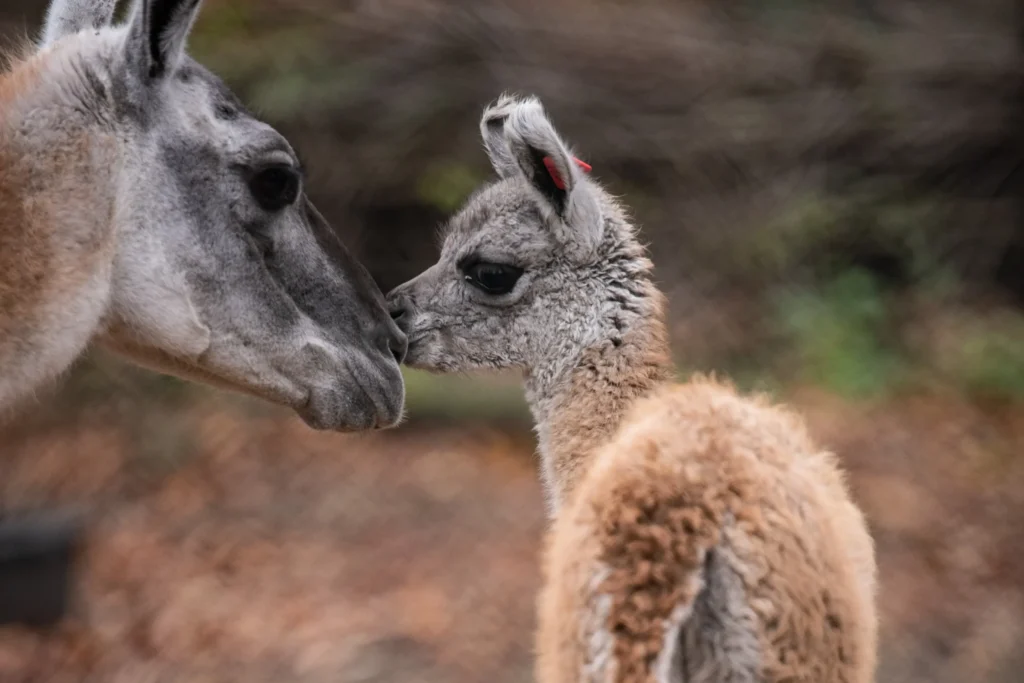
(492, 278)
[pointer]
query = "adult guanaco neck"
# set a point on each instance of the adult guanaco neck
(59, 159)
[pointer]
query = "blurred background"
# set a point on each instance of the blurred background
(834, 198)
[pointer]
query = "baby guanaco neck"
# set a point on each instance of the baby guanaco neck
(581, 408)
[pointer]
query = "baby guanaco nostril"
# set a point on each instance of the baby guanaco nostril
(398, 306)
(399, 345)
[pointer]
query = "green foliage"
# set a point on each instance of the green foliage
(218, 30)
(459, 396)
(103, 379)
(281, 66)
(446, 185)
(838, 334)
(909, 225)
(222, 21)
(991, 361)
(777, 247)
(817, 228)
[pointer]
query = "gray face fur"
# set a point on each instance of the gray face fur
(224, 271)
(582, 269)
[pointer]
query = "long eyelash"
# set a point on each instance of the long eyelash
(301, 168)
(467, 262)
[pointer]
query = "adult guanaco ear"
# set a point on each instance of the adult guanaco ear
(569, 201)
(67, 17)
(157, 36)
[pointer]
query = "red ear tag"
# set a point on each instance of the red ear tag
(556, 177)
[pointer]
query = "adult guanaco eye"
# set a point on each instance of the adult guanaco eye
(275, 187)
(226, 112)
(492, 278)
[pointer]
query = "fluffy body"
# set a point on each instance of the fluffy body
(128, 216)
(697, 535)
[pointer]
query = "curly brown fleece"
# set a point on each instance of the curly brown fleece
(696, 480)
(698, 536)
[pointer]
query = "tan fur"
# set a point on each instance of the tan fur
(606, 382)
(24, 252)
(691, 468)
(52, 252)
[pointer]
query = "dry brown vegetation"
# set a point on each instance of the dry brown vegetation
(261, 550)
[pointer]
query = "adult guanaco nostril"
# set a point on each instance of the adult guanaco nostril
(275, 186)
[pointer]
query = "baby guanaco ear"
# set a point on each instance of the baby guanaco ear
(492, 130)
(570, 202)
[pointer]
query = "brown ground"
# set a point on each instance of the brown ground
(240, 546)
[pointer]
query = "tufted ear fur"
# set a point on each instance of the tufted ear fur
(492, 130)
(157, 36)
(67, 17)
(569, 200)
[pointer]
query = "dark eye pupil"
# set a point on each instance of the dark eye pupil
(275, 187)
(494, 278)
